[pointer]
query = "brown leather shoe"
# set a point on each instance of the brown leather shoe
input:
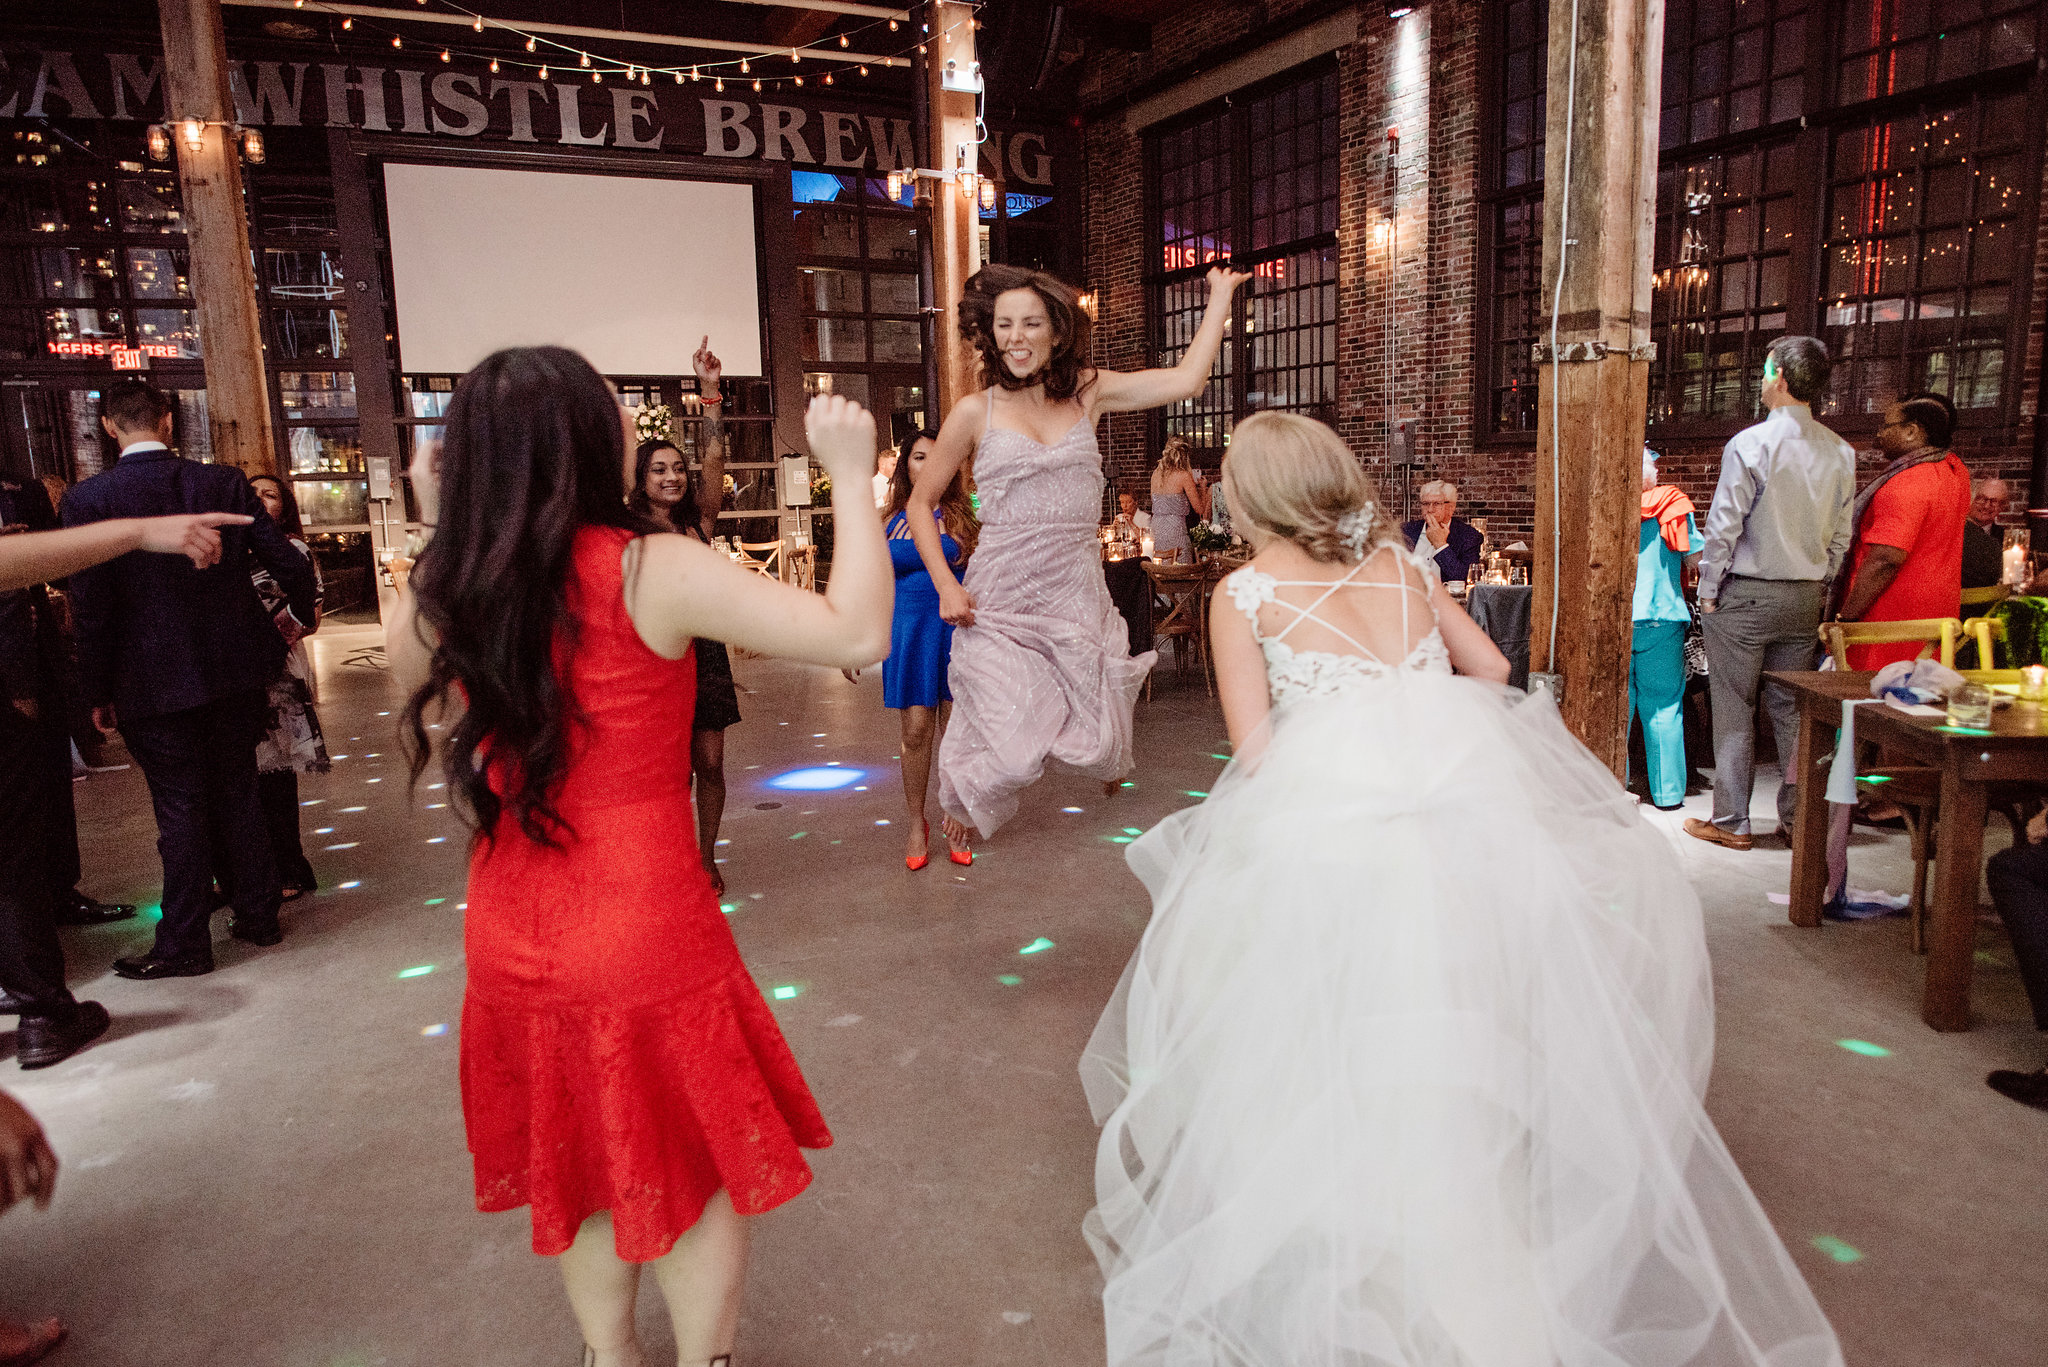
(1714, 835)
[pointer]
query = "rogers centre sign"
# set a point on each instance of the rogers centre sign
(444, 103)
(159, 350)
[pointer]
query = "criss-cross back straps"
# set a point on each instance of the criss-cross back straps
(1329, 590)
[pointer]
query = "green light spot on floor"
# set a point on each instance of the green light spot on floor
(728, 907)
(1865, 1048)
(1836, 1249)
(1133, 830)
(1120, 839)
(799, 835)
(1037, 946)
(1127, 784)
(435, 901)
(418, 971)
(1873, 778)
(1192, 792)
(1008, 979)
(1215, 756)
(787, 992)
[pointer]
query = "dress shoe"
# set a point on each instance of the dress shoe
(1714, 835)
(266, 932)
(2029, 1089)
(146, 968)
(76, 909)
(43, 1040)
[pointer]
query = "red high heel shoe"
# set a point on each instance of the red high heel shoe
(914, 862)
(964, 858)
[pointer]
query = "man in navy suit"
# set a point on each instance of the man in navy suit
(178, 659)
(1441, 535)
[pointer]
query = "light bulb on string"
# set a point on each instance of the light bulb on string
(597, 78)
(795, 56)
(679, 75)
(647, 78)
(347, 24)
(842, 40)
(828, 78)
(494, 66)
(920, 49)
(744, 69)
(478, 25)
(719, 85)
(632, 73)
(445, 56)
(695, 75)
(892, 26)
(757, 85)
(583, 59)
(543, 73)
(397, 41)
(863, 71)
(799, 81)
(529, 44)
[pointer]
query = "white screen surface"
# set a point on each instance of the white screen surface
(632, 272)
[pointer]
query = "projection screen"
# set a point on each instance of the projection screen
(632, 272)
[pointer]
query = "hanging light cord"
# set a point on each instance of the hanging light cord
(1564, 246)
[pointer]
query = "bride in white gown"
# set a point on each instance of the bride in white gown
(1407, 1070)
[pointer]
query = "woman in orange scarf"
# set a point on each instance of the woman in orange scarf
(1669, 545)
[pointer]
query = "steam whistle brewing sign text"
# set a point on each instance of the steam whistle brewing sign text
(467, 104)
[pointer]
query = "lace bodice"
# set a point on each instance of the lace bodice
(1296, 674)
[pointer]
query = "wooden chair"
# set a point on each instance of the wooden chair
(1984, 631)
(1942, 632)
(1186, 624)
(762, 557)
(802, 565)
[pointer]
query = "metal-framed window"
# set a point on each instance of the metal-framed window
(1253, 182)
(1511, 254)
(1889, 46)
(858, 259)
(1733, 66)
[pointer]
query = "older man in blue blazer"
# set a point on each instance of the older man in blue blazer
(178, 659)
(1442, 535)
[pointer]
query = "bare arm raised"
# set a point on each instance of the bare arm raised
(32, 557)
(678, 588)
(1125, 391)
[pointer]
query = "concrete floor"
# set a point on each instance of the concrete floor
(266, 1166)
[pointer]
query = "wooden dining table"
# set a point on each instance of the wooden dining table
(2014, 748)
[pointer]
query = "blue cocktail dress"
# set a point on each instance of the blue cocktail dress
(920, 641)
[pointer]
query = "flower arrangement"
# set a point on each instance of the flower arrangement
(1204, 536)
(821, 486)
(655, 423)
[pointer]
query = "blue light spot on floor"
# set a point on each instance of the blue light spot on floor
(324, 830)
(351, 883)
(346, 810)
(1070, 809)
(434, 1030)
(312, 802)
(346, 845)
(436, 839)
(821, 779)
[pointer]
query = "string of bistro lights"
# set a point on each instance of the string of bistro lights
(717, 72)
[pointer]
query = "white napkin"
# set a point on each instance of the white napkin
(1842, 769)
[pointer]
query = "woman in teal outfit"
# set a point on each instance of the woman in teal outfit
(1669, 545)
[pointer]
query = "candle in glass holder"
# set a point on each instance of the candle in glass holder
(2034, 683)
(2015, 565)
(1145, 546)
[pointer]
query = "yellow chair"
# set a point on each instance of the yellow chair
(762, 557)
(1985, 630)
(1997, 593)
(1942, 632)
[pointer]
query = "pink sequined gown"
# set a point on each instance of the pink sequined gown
(1046, 670)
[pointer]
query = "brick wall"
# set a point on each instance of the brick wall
(1421, 75)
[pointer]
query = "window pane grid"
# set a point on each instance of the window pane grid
(1731, 66)
(1517, 274)
(1290, 326)
(1205, 419)
(1888, 46)
(1194, 194)
(1525, 68)
(1722, 279)
(1922, 241)
(1293, 158)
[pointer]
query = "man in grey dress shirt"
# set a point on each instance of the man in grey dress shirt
(1778, 530)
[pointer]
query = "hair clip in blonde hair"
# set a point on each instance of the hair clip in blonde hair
(1355, 526)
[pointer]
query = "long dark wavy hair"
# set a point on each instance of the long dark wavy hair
(1064, 374)
(962, 524)
(687, 515)
(534, 452)
(291, 524)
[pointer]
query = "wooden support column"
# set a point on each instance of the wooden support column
(955, 219)
(1590, 427)
(217, 236)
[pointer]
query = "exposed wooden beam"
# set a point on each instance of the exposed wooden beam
(217, 236)
(546, 30)
(955, 220)
(800, 28)
(1599, 235)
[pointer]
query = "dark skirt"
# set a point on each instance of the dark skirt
(718, 699)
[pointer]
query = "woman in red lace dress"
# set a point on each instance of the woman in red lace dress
(621, 1074)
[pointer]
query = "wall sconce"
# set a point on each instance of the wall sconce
(158, 141)
(193, 131)
(966, 181)
(988, 195)
(1399, 9)
(252, 146)
(1088, 303)
(895, 185)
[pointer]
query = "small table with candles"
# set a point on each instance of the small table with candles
(2014, 748)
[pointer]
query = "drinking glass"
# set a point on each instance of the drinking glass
(1969, 707)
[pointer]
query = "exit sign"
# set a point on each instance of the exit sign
(129, 358)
